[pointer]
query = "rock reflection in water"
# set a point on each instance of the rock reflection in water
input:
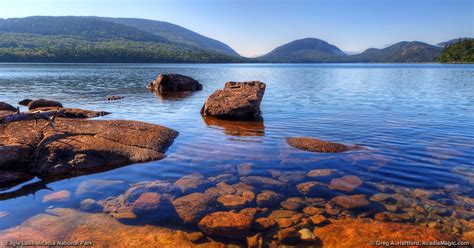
(237, 128)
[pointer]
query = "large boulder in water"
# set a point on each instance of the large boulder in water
(76, 146)
(41, 103)
(171, 83)
(238, 100)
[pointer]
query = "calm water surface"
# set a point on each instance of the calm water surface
(416, 121)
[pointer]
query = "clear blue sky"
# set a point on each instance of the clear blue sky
(254, 27)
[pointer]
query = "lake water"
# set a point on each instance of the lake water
(415, 121)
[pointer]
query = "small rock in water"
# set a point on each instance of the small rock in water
(269, 198)
(193, 207)
(195, 237)
(224, 178)
(345, 183)
(192, 183)
(244, 169)
(90, 205)
(226, 224)
(289, 236)
(232, 201)
(310, 188)
(60, 196)
(41, 103)
(321, 172)
(151, 202)
(7, 107)
(255, 241)
(171, 83)
(3, 214)
(95, 187)
(380, 197)
(319, 220)
(277, 214)
(292, 176)
(114, 98)
(262, 224)
(310, 210)
(307, 235)
(220, 189)
(352, 201)
(265, 183)
(294, 203)
(316, 145)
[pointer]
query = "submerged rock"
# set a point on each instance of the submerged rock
(191, 208)
(269, 198)
(345, 183)
(316, 145)
(352, 201)
(265, 183)
(98, 188)
(321, 172)
(157, 186)
(172, 83)
(80, 146)
(41, 103)
(60, 196)
(361, 232)
(99, 229)
(238, 100)
(192, 183)
(152, 203)
(90, 205)
(226, 224)
(289, 235)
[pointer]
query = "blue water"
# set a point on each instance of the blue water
(416, 121)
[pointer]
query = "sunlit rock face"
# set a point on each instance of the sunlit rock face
(63, 224)
(361, 232)
(77, 146)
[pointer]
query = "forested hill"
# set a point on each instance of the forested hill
(175, 33)
(89, 39)
(461, 51)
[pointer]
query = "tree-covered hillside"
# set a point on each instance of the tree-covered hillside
(460, 52)
(402, 52)
(88, 39)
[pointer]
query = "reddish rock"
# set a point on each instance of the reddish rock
(361, 232)
(191, 208)
(321, 172)
(352, 201)
(149, 203)
(269, 198)
(192, 183)
(262, 224)
(7, 107)
(172, 83)
(319, 220)
(238, 100)
(232, 201)
(79, 146)
(310, 188)
(220, 189)
(316, 145)
(265, 183)
(289, 235)
(226, 224)
(73, 113)
(40, 103)
(60, 196)
(345, 183)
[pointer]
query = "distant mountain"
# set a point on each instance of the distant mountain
(175, 33)
(90, 39)
(450, 42)
(458, 52)
(309, 50)
(402, 52)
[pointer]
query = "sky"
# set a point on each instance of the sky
(255, 27)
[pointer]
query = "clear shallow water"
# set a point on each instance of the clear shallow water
(416, 121)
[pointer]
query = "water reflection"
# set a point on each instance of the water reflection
(237, 128)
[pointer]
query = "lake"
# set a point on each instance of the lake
(415, 122)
